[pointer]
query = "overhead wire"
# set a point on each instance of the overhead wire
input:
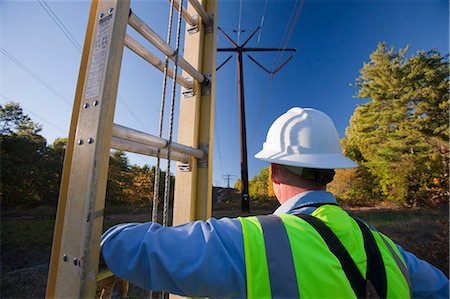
(268, 87)
(261, 24)
(36, 115)
(35, 76)
(289, 29)
(77, 46)
(60, 24)
(292, 22)
(239, 22)
(217, 139)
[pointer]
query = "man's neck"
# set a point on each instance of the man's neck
(288, 191)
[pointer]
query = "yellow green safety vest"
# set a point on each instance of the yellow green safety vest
(287, 257)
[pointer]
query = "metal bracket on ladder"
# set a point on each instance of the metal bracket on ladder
(210, 27)
(203, 161)
(206, 88)
(184, 167)
(193, 29)
(187, 92)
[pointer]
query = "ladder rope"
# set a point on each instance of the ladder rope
(172, 108)
(161, 119)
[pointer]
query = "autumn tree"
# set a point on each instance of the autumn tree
(119, 177)
(400, 136)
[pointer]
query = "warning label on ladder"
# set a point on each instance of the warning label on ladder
(98, 58)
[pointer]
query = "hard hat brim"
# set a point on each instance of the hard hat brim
(324, 161)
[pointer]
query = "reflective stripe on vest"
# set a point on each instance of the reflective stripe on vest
(316, 272)
(279, 257)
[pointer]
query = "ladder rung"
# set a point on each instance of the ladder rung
(143, 149)
(154, 141)
(140, 50)
(201, 11)
(159, 43)
(192, 21)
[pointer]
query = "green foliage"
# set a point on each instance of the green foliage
(260, 186)
(14, 122)
(400, 135)
(31, 169)
(354, 187)
(238, 185)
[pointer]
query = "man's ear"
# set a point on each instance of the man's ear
(275, 173)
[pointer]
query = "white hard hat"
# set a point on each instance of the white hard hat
(304, 137)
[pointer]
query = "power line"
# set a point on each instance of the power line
(132, 113)
(60, 24)
(216, 129)
(35, 76)
(291, 24)
(36, 115)
(77, 46)
(239, 22)
(262, 20)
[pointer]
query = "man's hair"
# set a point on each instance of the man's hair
(319, 176)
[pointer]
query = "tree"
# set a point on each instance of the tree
(400, 135)
(23, 153)
(238, 185)
(119, 178)
(14, 122)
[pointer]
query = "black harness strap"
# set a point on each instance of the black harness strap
(376, 272)
(357, 281)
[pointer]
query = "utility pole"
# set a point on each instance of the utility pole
(228, 177)
(239, 49)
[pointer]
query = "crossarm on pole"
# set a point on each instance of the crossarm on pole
(260, 65)
(282, 65)
(227, 37)
(223, 63)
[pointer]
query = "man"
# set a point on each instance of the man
(309, 248)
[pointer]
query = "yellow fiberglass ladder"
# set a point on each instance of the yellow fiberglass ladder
(75, 251)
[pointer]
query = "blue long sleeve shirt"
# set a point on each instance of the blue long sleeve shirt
(206, 258)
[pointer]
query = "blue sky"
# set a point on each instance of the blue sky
(333, 40)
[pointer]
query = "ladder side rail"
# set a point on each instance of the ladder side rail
(141, 51)
(144, 149)
(161, 45)
(83, 221)
(193, 188)
(55, 256)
